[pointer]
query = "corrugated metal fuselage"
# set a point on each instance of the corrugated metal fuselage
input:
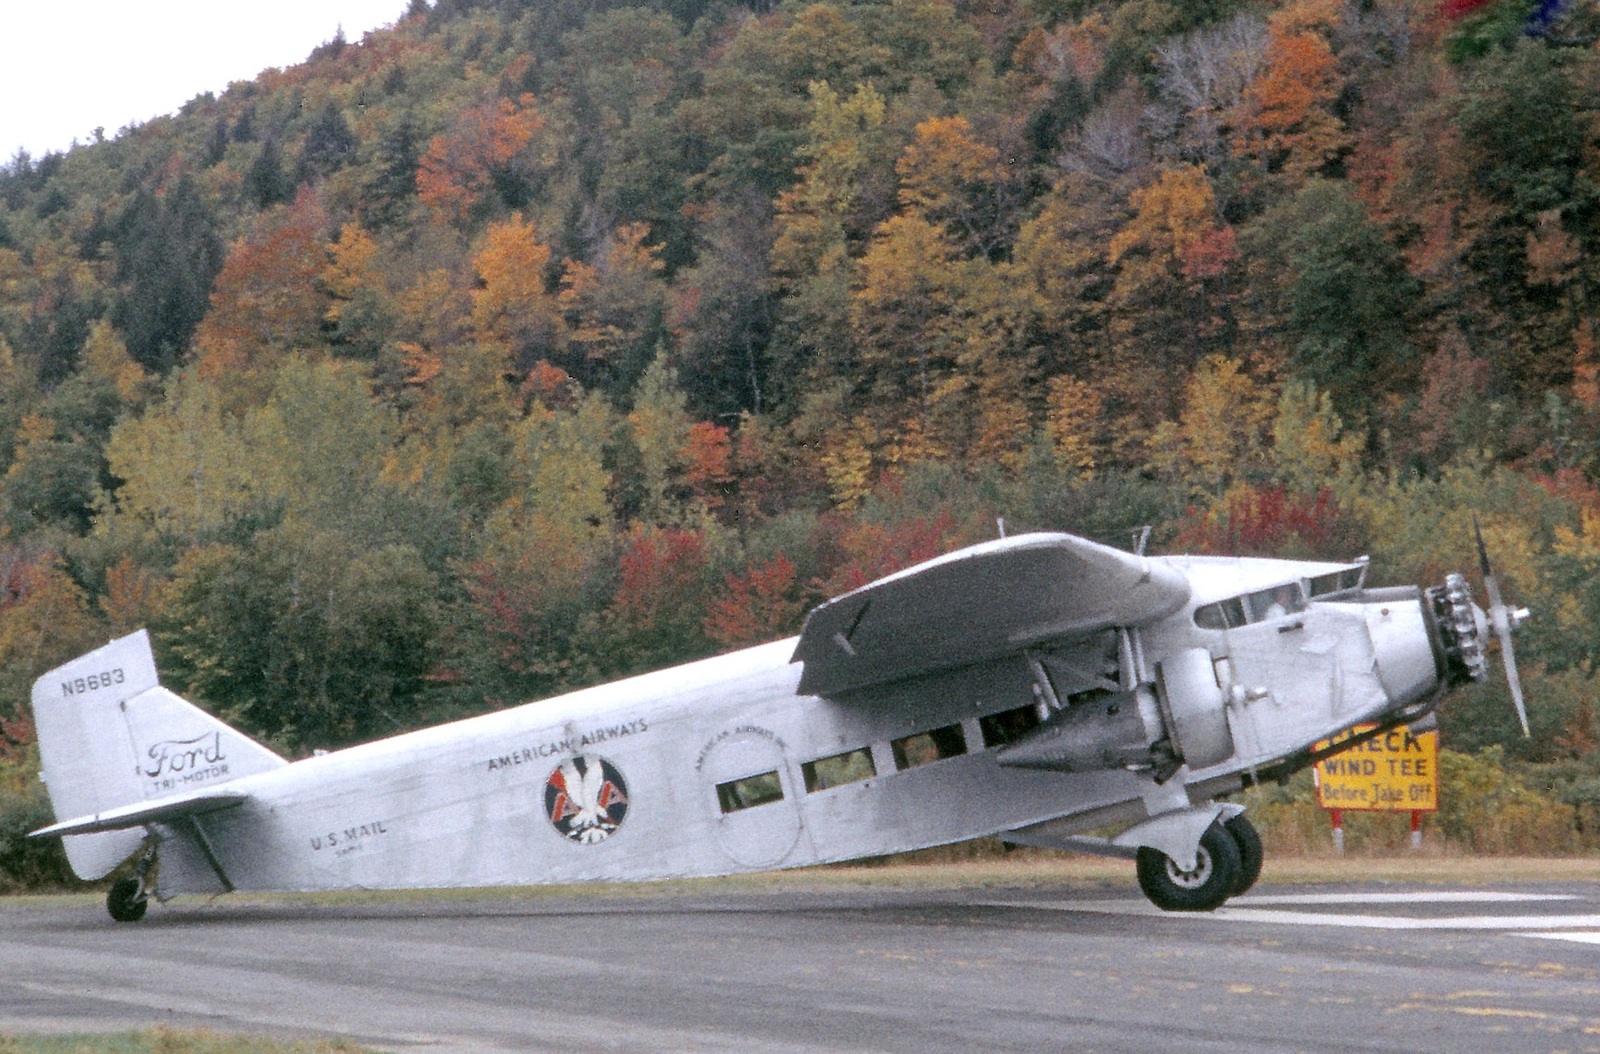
(468, 803)
(487, 801)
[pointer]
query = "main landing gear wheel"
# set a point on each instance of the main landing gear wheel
(1216, 869)
(1251, 853)
(127, 900)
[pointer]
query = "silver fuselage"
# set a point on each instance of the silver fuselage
(470, 803)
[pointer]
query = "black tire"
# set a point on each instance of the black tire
(1251, 853)
(1203, 889)
(126, 902)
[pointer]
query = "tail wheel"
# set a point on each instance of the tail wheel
(1251, 854)
(127, 900)
(1205, 888)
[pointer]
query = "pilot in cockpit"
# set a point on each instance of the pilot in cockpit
(1284, 602)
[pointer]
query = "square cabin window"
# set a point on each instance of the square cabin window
(750, 791)
(850, 767)
(1008, 726)
(926, 747)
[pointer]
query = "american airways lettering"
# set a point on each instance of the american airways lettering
(570, 745)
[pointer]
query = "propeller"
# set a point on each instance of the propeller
(1504, 619)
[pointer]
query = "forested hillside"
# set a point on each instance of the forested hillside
(534, 342)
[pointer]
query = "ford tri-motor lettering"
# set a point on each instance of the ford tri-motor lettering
(172, 762)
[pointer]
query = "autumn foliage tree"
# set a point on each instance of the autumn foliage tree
(490, 150)
(45, 619)
(265, 303)
(1269, 520)
(615, 308)
(952, 179)
(511, 308)
(708, 463)
(1286, 120)
(656, 615)
(762, 603)
(1172, 260)
(859, 552)
(1221, 431)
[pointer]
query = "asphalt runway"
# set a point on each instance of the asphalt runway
(1356, 968)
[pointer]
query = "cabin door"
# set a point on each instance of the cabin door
(753, 796)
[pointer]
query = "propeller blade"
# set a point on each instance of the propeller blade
(1504, 620)
(1489, 581)
(1514, 679)
(1483, 550)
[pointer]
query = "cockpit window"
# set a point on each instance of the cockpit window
(1336, 582)
(1225, 614)
(1277, 602)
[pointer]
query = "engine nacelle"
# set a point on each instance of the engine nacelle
(1105, 731)
(1193, 708)
(1184, 720)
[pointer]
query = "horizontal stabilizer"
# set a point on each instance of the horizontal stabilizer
(980, 603)
(162, 810)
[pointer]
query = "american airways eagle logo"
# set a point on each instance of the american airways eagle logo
(586, 798)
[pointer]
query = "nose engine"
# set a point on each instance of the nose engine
(1461, 630)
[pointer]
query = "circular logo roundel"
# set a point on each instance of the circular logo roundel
(586, 798)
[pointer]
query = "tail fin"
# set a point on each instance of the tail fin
(111, 736)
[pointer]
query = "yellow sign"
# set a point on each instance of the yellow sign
(1397, 770)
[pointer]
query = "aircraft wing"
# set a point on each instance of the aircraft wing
(161, 810)
(980, 603)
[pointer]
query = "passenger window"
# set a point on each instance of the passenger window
(1008, 726)
(749, 792)
(926, 747)
(850, 767)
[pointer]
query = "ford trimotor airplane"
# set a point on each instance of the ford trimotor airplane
(1035, 687)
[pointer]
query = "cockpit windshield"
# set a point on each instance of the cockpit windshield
(1277, 602)
(1335, 582)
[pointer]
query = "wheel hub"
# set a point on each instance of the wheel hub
(1191, 879)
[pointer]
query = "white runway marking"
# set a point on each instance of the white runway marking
(1578, 936)
(1474, 896)
(1403, 922)
(1271, 909)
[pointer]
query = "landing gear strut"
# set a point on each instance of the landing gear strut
(1222, 844)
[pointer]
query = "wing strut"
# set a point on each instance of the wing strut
(191, 823)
